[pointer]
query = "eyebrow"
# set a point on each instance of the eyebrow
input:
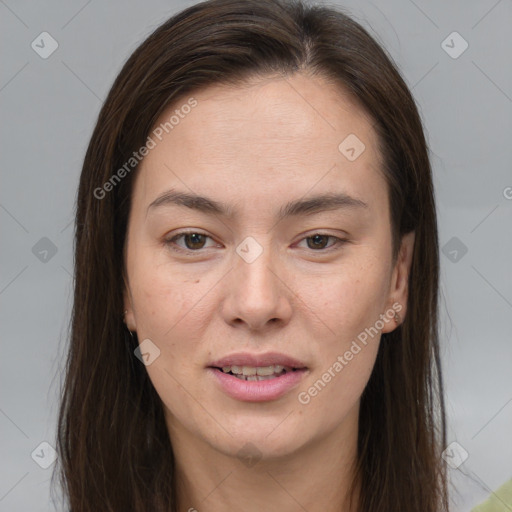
(308, 206)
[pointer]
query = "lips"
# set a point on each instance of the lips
(258, 360)
(257, 377)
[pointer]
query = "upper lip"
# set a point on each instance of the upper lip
(253, 360)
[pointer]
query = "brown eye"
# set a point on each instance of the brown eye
(193, 241)
(318, 241)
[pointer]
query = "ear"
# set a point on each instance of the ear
(399, 285)
(128, 316)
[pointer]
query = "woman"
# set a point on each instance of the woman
(255, 309)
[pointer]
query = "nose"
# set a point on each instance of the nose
(258, 295)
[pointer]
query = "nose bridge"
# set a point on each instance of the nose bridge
(257, 293)
(253, 266)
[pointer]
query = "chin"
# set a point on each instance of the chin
(263, 440)
(251, 449)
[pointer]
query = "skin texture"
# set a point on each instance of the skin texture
(257, 147)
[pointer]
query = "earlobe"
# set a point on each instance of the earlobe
(128, 319)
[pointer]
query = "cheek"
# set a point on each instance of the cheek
(344, 361)
(168, 312)
(351, 298)
(164, 299)
(351, 304)
(334, 394)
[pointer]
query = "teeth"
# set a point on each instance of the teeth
(254, 373)
(255, 377)
(265, 370)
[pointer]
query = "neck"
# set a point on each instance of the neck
(314, 478)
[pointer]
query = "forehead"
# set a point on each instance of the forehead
(264, 141)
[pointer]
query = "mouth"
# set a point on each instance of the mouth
(257, 373)
(257, 377)
(250, 361)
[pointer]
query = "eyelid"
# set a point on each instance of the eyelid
(170, 241)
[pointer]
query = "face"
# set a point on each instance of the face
(264, 277)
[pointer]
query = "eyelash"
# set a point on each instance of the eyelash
(171, 242)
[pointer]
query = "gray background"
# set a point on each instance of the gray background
(49, 107)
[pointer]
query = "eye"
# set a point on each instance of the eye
(318, 241)
(194, 241)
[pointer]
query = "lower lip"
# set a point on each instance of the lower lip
(257, 390)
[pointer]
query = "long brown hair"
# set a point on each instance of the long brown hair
(114, 449)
